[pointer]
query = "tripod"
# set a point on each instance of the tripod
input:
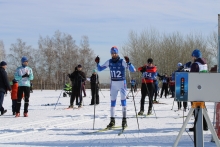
(200, 110)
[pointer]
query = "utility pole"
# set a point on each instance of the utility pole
(218, 70)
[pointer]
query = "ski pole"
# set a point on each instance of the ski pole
(134, 102)
(58, 99)
(102, 93)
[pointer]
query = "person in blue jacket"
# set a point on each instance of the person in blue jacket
(23, 75)
(117, 68)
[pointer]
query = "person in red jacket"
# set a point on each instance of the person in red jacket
(148, 76)
(14, 93)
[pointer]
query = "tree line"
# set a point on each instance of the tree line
(54, 58)
(168, 49)
(58, 55)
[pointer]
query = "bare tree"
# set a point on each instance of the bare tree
(2, 51)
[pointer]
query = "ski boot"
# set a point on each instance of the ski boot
(26, 114)
(112, 123)
(3, 112)
(141, 112)
(70, 106)
(124, 123)
(80, 105)
(149, 111)
(17, 114)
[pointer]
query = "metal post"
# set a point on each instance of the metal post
(183, 127)
(211, 128)
(199, 128)
(218, 65)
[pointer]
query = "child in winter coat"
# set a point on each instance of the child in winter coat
(14, 91)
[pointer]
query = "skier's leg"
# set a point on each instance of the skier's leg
(97, 95)
(20, 93)
(143, 95)
(123, 89)
(113, 94)
(26, 98)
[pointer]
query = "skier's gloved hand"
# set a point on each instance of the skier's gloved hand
(68, 75)
(143, 69)
(97, 59)
(25, 75)
(126, 59)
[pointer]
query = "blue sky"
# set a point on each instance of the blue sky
(106, 23)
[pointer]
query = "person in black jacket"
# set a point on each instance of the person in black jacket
(4, 85)
(77, 78)
(94, 81)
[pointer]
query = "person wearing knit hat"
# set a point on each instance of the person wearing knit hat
(3, 63)
(94, 82)
(78, 78)
(23, 75)
(117, 68)
(149, 73)
(4, 85)
(199, 65)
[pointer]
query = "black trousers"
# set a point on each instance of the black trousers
(147, 89)
(164, 87)
(180, 105)
(172, 88)
(26, 91)
(95, 94)
(14, 103)
(76, 94)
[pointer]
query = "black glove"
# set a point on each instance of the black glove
(143, 69)
(188, 64)
(126, 59)
(25, 75)
(97, 59)
(68, 75)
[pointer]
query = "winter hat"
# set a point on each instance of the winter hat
(24, 59)
(3, 63)
(197, 53)
(114, 50)
(94, 71)
(14, 81)
(79, 66)
(149, 60)
(179, 64)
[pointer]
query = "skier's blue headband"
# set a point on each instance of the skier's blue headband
(114, 50)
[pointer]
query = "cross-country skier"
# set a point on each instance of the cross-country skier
(148, 76)
(117, 68)
(23, 75)
(165, 80)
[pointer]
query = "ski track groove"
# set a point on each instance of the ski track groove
(14, 134)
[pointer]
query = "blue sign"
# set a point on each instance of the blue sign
(181, 87)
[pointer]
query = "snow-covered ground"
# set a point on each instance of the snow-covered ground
(48, 127)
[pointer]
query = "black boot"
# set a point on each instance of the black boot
(149, 111)
(124, 123)
(112, 123)
(141, 112)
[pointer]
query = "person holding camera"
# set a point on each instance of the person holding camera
(77, 78)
